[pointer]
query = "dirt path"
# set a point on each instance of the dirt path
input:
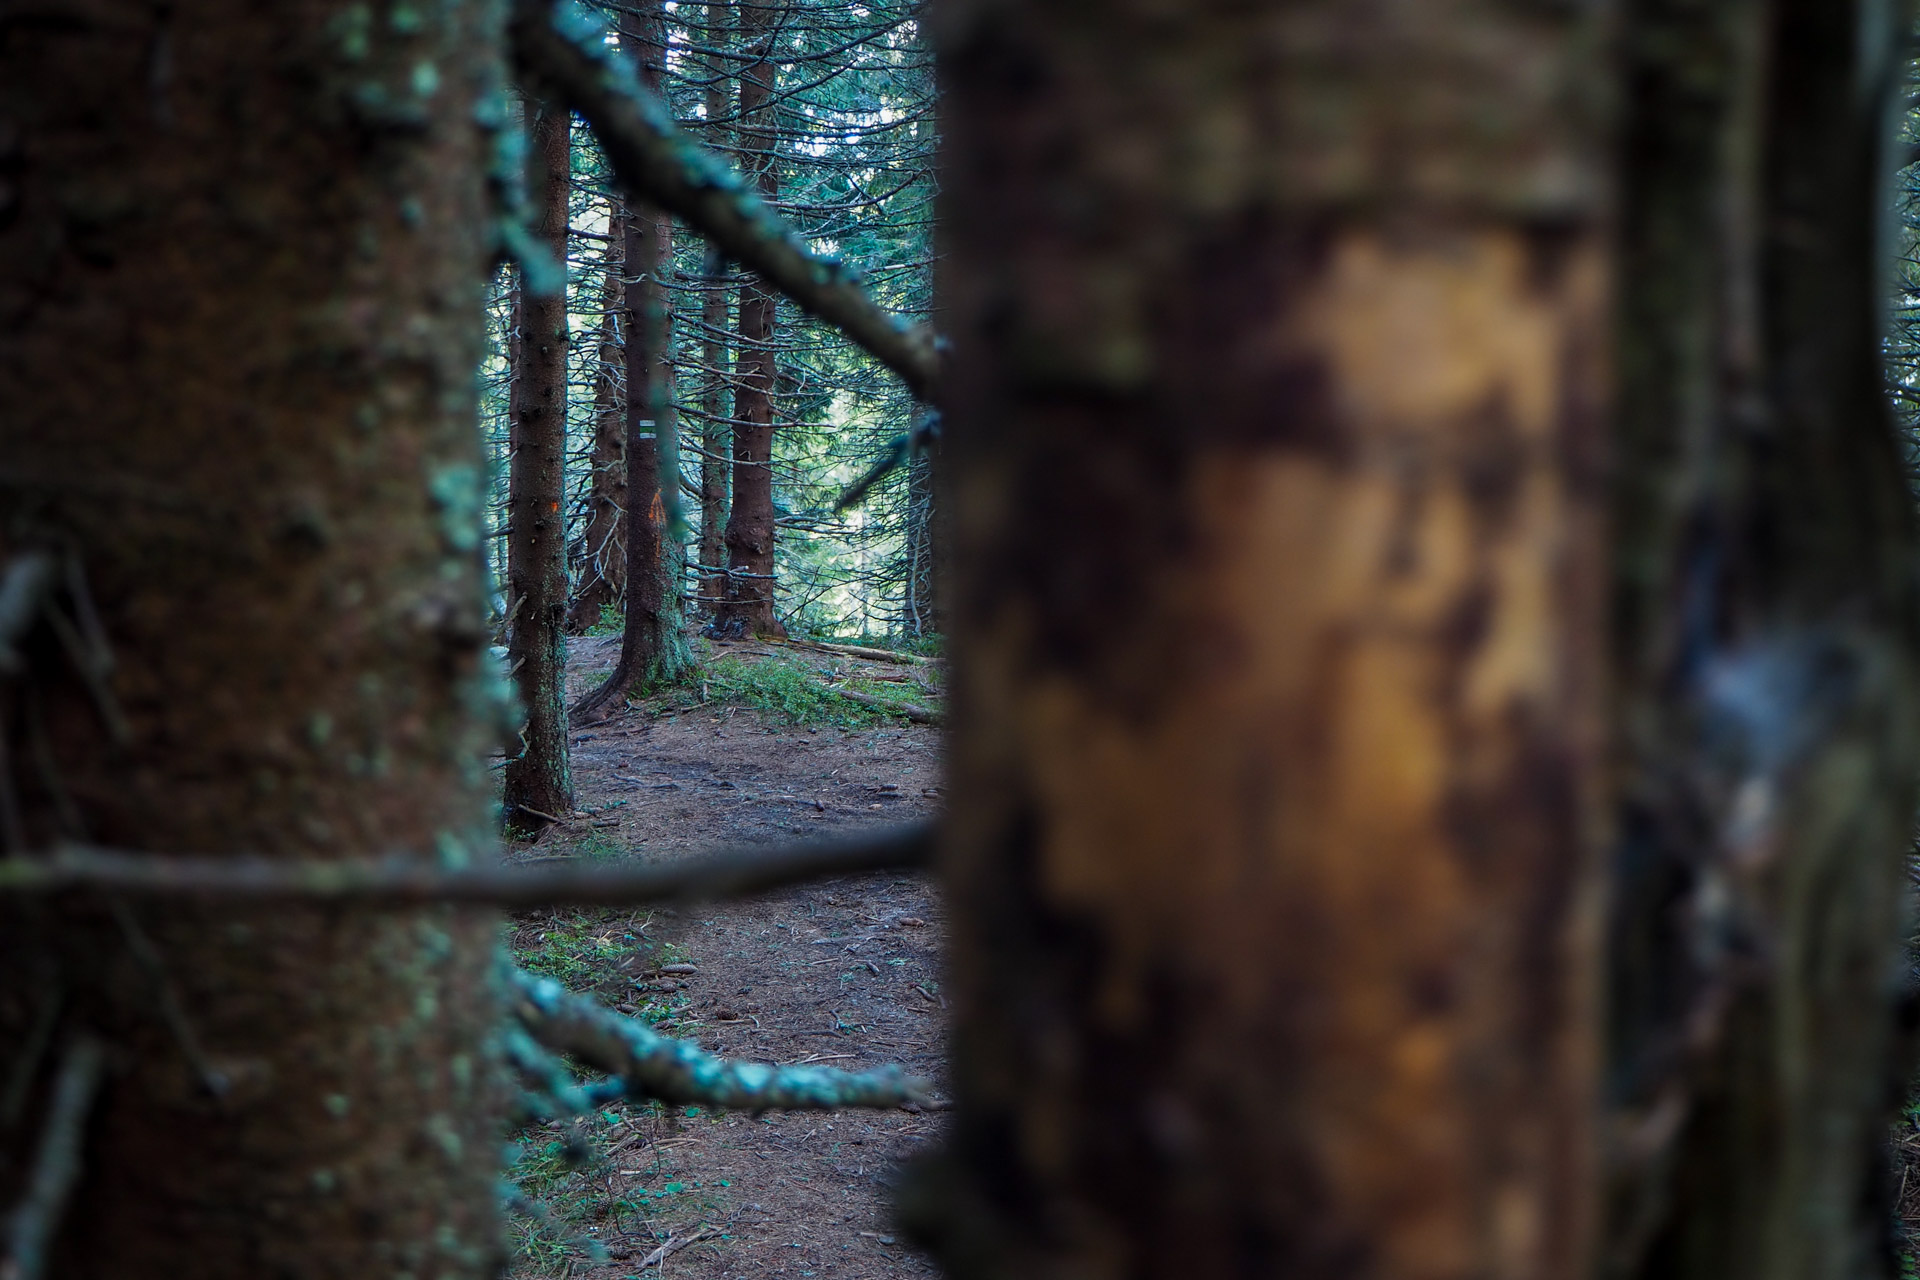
(843, 973)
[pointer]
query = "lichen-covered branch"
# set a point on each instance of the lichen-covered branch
(57, 1165)
(409, 881)
(674, 1071)
(563, 46)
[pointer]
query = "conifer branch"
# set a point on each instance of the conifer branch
(563, 47)
(415, 881)
(676, 1071)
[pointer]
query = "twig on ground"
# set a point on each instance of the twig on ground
(413, 881)
(56, 1167)
(675, 1071)
(674, 1245)
(563, 46)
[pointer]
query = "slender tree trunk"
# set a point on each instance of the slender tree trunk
(923, 578)
(236, 397)
(1765, 646)
(716, 437)
(716, 444)
(653, 648)
(1276, 399)
(604, 577)
(748, 609)
(538, 779)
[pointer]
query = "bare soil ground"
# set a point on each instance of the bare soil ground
(843, 973)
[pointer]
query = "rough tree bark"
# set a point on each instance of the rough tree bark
(1279, 396)
(923, 539)
(604, 574)
(653, 648)
(538, 781)
(1765, 640)
(716, 306)
(243, 254)
(1276, 403)
(748, 608)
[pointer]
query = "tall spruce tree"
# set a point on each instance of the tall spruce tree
(603, 545)
(653, 646)
(539, 781)
(749, 605)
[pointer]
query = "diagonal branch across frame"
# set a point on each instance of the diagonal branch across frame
(562, 47)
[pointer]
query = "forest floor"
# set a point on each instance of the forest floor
(843, 973)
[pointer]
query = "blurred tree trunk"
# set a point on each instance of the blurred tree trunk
(604, 572)
(716, 437)
(1282, 780)
(1765, 639)
(748, 609)
(241, 281)
(539, 782)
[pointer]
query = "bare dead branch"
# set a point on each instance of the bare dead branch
(56, 1167)
(675, 1071)
(412, 881)
(563, 47)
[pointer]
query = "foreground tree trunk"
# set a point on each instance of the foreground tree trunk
(1278, 759)
(241, 278)
(604, 569)
(748, 609)
(1765, 646)
(538, 781)
(1276, 755)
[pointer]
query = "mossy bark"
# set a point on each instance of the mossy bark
(1276, 403)
(538, 782)
(1765, 645)
(243, 255)
(749, 605)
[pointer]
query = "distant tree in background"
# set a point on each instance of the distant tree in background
(538, 781)
(600, 588)
(714, 368)
(748, 608)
